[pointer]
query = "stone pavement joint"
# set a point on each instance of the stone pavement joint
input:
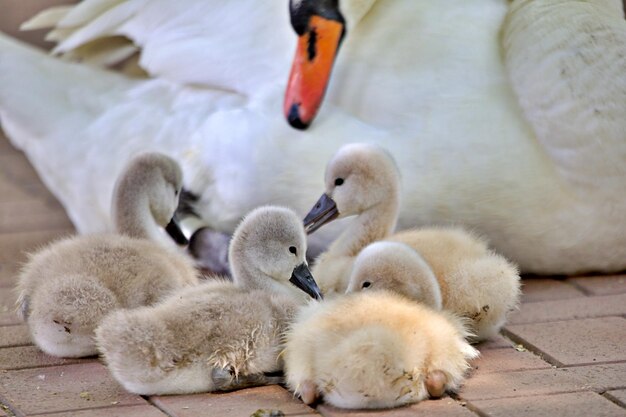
(574, 342)
(570, 309)
(580, 404)
(617, 396)
(5, 409)
(157, 405)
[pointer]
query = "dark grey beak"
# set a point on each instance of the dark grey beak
(324, 211)
(302, 278)
(173, 229)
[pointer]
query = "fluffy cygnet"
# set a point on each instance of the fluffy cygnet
(361, 180)
(396, 267)
(67, 288)
(218, 335)
(450, 268)
(375, 350)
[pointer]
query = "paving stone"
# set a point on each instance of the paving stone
(575, 342)
(574, 308)
(17, 169)
(507, 359)
(10, 191)
(7, 307)
(544, 289)
(485, 386)
(117, 411)
(29, 215)
(579, 404)
(17, 335)
(601, 285)
(8, 278)
(15, 246)
(444, 407)
(240, 403)
(22, 357)
(601, 378)
(61, 388)
(496, 342)
(5, 146)
(618, 396)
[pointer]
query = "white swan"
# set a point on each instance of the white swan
(535, 165)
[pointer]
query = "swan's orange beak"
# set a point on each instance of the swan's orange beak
(310, 72)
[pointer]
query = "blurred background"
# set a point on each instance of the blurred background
(15, 12)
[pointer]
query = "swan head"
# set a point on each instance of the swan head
(268, 251)
(320, 26)
(396, 267)
(149, 186)
(358, 177)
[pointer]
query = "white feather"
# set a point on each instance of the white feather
(424, 79)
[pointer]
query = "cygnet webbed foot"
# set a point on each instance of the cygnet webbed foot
(436, 382)
(308, 392)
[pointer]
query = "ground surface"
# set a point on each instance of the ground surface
(562, 354)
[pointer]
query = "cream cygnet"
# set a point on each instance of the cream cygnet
(363, 180)
(396, 267)
(375, 350)
(66, 288)
(218, 335)
(462, 276)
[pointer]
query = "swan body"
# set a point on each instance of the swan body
(219, 335)
(374, 350)
(67, 288)
(510, 136)
(443, 268)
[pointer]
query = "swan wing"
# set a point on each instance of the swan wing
(237, 45)
(566, 61)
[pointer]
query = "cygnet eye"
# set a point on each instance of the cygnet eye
(366, 284)
(338, 181)
(293, 250)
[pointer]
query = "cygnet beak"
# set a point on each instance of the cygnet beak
(324, 211)
(173, 229)
(302, 278)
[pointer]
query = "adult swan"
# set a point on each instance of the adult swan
(506, 117)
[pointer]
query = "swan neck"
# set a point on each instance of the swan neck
(374, 224)
(133, 217)
(251, 278)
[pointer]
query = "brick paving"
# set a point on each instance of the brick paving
(562, 354)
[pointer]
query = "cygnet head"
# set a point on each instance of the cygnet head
(395, 267)
(358, 177)
(268, 251)
(145, 193)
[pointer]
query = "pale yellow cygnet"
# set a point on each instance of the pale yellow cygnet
(461, 275)
(375, 350)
